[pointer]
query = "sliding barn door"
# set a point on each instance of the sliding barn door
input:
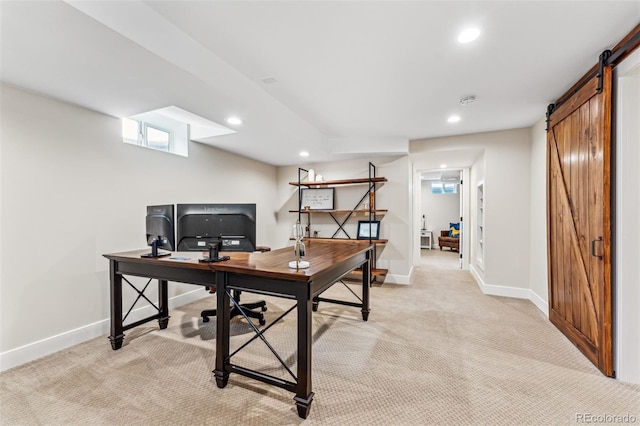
(579, 237)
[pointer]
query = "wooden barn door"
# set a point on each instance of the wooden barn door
(579, 234)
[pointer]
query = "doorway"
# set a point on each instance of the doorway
(440, 209)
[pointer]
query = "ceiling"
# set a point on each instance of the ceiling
(337, 79)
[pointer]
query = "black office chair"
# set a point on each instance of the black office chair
(247, 308)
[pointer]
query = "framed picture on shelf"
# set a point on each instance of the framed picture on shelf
(368, 230)
(317, 199)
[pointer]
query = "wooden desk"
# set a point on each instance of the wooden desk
(263, 273)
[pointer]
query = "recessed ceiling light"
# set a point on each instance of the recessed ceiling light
(453, 119)
(443, 166)
(304, 154)
(235, 121)
(468, 35)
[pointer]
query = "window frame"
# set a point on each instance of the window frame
(144, 126)
(142, 138)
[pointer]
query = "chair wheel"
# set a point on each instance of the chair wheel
(205, 319)
(262, 321)
(264, 308)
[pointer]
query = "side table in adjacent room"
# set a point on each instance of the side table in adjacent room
(426, 238)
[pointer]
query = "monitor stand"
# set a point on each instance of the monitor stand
(213, 255)
(154, 250)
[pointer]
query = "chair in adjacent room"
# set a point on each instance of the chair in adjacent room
(450, 237)
(247, 308)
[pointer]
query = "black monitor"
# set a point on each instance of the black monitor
(230, 227)
(160, 230)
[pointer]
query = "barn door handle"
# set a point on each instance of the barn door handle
(593, 247)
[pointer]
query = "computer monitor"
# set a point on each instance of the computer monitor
(231, 227)
(160, 230)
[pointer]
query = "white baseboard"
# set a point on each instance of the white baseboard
(398, 279)
(31, 351)
(540, 303)
(505, 291)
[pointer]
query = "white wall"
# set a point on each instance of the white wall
(392, 195)
(507, 214)
(626, 268)
(538, 272)
(71, 191)
(507, 201)
(440, 209)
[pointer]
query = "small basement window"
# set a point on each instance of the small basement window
(169, 130)
(444, 188)
(147, 135)
(158, 138)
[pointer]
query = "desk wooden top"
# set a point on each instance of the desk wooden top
(321, 255)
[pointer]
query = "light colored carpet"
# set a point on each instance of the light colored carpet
(435, 352)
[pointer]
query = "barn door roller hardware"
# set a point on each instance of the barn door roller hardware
(550, 109)
(603, 62)
(609, 57)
